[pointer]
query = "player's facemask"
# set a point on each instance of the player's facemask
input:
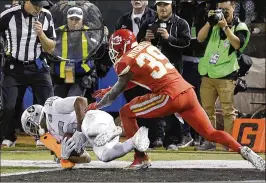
(116, 55)
(31, 119)
(30, 127)
(113, 54)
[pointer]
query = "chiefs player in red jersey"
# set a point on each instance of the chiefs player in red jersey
(143, 64)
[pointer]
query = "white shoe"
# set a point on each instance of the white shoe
(39, 144)
(106, 136)
(253, 158)
(8, 143)
(140, 140)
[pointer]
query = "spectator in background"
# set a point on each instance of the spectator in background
(171, 34)
(219, 65)
(132, 21)
(25, 65)
(245, 10)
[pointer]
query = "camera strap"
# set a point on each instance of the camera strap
(236, 23)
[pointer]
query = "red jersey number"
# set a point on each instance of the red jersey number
(154, 58)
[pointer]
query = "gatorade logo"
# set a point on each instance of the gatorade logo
(251, 133)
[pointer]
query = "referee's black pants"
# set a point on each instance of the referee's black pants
(156, 125)
(17, 77)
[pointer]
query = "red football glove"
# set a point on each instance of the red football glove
(92, 106)
(100, 93)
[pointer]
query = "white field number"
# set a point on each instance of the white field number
(152, 56)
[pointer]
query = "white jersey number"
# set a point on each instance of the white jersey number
(152, 56)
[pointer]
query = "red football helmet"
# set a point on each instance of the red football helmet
(120, 42)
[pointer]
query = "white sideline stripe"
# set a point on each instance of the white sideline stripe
(29, 172)
(240, 164)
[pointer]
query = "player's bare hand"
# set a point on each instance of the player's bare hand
(37, 26)
(149, 35)
(222, 23)
(164, 33)
(100, 93)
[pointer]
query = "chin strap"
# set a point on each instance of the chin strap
(41, 131)
(51, 143)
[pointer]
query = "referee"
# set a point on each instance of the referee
(29, 32)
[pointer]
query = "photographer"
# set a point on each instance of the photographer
(66, 85)
(225, 36)
(78, 77)
(170, 34)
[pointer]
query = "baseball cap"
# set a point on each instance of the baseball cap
(39, 3)
(166, 1)
(75, 12)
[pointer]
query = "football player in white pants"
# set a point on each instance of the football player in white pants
(106, 145)
(59, 116)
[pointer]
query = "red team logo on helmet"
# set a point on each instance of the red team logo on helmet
(116, 40)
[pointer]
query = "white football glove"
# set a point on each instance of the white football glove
(67, 146)
(80, 139)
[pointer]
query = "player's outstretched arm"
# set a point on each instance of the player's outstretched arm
(80, 107)
(116, 90)
(99, 94)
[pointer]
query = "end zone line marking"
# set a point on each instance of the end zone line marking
(29, 172)
(240, 164)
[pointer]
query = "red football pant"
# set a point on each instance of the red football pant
(186, 105)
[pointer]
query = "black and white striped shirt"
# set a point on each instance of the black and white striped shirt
(23, 42)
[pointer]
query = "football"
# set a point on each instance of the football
(74, 153)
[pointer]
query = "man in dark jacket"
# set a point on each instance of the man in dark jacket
(132, 21)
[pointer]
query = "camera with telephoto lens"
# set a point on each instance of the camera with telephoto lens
(217, 16)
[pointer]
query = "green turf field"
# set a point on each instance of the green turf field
(155, 155)
(25, 150)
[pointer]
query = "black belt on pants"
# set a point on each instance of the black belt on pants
(26, 62)
(12, 59)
